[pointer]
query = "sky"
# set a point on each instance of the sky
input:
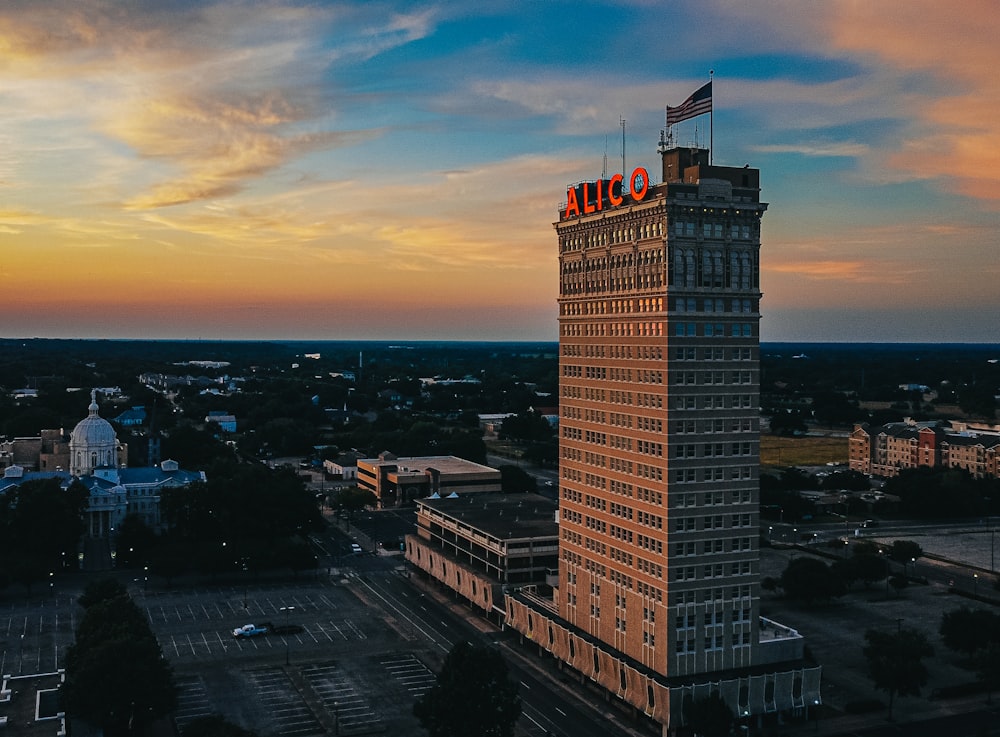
(392, 170)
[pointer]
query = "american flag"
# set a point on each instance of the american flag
(699, 103)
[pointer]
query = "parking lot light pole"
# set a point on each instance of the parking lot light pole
(287, 610)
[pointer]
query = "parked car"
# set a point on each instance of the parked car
(249, 630)
(356, 549)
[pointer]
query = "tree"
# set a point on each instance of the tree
(967, 630)
(474, 695)
(978, 400)
(353, 499)
(101, 590)
(988, 669)
(116, 675)
(846, 481)
(709, 716)
(40, 521)
(868, 565)
(903, 551)
(214, 726)
(895, 661)
(809, 580)
(514, 479)
(136, 542)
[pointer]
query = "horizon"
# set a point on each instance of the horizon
(404, 342)
(362, 171)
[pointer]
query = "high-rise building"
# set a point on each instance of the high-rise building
(659, 425)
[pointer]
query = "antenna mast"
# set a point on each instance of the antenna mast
(623, 146)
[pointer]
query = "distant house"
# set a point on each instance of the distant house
(345, 467)
(549, 414)
(132, 417)
(225, 421)
(491, 424)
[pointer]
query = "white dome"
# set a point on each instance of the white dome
(94, 430)
(92, 444)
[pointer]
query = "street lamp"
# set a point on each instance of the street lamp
(975, 585)
(888, 569)
(246, 584)
(287, 610)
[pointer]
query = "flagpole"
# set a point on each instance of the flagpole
(711, 121)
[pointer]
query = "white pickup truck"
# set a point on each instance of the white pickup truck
(249, 630)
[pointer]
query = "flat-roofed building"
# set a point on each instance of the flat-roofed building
(478, 543)
(397, 481)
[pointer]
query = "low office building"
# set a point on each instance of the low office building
(477, 544)
(400, 481)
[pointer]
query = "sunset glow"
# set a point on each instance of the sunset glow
(386, 170)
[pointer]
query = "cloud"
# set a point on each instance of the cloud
(844, 148)
(211, 97)
(859, 272)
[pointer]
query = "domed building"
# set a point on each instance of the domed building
(93, 444)
(99, 461)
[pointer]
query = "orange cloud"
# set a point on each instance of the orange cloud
(953, 132)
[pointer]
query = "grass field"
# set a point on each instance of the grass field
(778, 451)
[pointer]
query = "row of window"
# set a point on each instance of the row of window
(690, 475)
(713, 450)
(712, 643)
(714, 570)
(715, 425)
(712, 498)
(711, 522)
(737, 231)
(616, 233)
(712, 330)
(711, 305)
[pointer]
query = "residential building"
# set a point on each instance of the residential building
(132, 417)
(225, 420)
(888, 449)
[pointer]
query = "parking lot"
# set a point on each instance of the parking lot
(332, 675)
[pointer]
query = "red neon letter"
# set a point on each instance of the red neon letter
(572, 206)
(600, 194)
(639, 171)
(587, 207)
(614, 200)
